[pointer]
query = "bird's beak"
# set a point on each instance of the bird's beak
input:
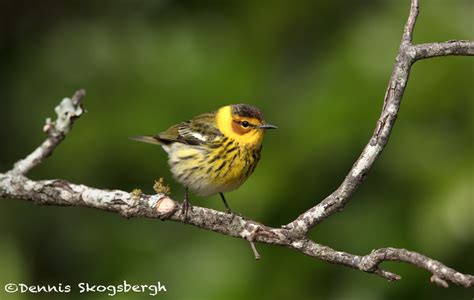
(267, 126)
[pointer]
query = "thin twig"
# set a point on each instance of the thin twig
(424, 51)
(410, 24)
(67, 111)
(251, 239)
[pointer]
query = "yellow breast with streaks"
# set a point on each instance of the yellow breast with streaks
(210, 171)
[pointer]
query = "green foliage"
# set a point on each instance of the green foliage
(317, 69)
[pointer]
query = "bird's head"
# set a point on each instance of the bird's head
(243, 123)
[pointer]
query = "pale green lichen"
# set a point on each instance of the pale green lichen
(160, 187)
(136, 194)
(65, 111)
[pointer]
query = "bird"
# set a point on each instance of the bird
(213, 153)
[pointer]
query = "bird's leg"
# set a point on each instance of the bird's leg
(230, 211)
(186, 205)
(227, 208)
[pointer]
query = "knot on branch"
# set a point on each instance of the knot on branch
(439, 281)
(370, 263)
(165, 207)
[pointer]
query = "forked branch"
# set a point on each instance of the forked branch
(407, 55)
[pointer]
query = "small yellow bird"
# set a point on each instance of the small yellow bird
(214, 152)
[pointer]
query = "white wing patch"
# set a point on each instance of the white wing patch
(198, 136)
(190, 135)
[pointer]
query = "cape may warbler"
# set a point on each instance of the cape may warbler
(214, 152)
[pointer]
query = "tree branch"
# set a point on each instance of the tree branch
(410, 24)
(68, 111)
(407, 55)
(15, 185)
(423, 51)
(61, 192)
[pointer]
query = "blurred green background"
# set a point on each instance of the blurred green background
(317, 69)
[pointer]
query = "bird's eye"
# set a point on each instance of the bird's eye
(245, 124)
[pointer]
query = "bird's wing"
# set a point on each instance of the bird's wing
(198, 131)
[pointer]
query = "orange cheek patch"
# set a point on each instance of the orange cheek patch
(237, 128)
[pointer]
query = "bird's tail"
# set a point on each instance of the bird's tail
(147, 139)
